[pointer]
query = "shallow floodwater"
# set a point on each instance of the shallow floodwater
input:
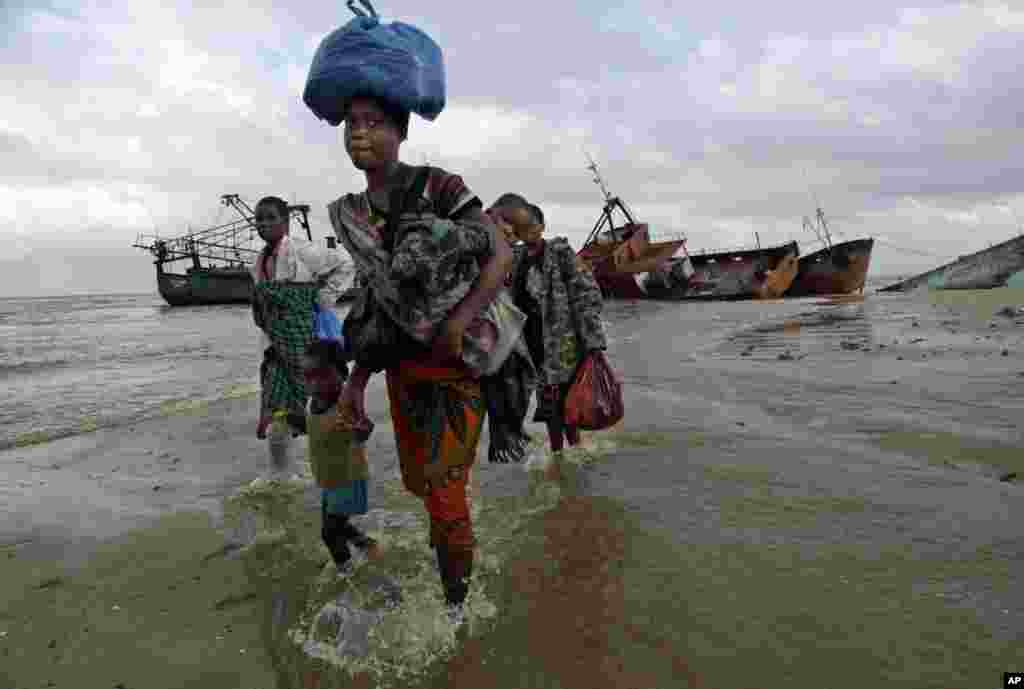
(801, 485)
(804, 493)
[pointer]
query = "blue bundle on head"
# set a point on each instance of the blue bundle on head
(394, 62)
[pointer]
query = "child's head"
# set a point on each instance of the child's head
(533, 231)
(271, 219)
(509, 213)
(374, 131)
(325, 368)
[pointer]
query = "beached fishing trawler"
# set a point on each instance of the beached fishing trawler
(219, 256)
(628, 265)
(618, 256)
(985, 269)
(744, 273)
(836, 269)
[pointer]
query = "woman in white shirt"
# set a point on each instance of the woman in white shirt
(319, 274)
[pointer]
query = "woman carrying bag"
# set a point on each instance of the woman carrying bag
(563, 305)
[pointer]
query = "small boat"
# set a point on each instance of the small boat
(985, 269)
(837, 269)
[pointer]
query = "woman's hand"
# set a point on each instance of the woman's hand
(447, 343)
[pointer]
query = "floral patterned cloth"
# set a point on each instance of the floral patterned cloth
(438, 415)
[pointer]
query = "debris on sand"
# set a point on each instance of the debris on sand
(1011, 312)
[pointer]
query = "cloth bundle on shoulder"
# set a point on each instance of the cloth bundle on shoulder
(395, 62)
(418, 308)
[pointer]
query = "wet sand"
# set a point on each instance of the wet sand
(803, 494)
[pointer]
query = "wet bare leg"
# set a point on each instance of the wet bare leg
(572, 434)
(555, 435)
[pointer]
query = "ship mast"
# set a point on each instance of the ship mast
(611, 203)
(598, 179)
(821, 229)
(824, 228)
(219, 244)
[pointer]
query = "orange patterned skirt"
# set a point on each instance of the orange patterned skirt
(438, 414)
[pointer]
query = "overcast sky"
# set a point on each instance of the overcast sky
(906, 123)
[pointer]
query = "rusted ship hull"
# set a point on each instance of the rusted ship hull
(204, 286)
(617, 265)
(841, 269)
(985, 269)
(762, 273)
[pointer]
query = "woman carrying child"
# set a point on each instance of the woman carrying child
(563, 303)
(435, 398)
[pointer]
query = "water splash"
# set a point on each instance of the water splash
(348, 623)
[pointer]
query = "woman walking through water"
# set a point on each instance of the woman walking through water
(291, 274)
(562, 302)
(435, 399)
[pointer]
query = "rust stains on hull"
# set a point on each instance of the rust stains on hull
(841, 269)
(762, 273)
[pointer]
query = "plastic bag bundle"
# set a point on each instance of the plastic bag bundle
(594, 402)
(395, 62)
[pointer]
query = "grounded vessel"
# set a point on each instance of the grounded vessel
(836, 269)
(628, 265)
(220, 257)
(619, 256)
(745, 273)
(985, 269)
